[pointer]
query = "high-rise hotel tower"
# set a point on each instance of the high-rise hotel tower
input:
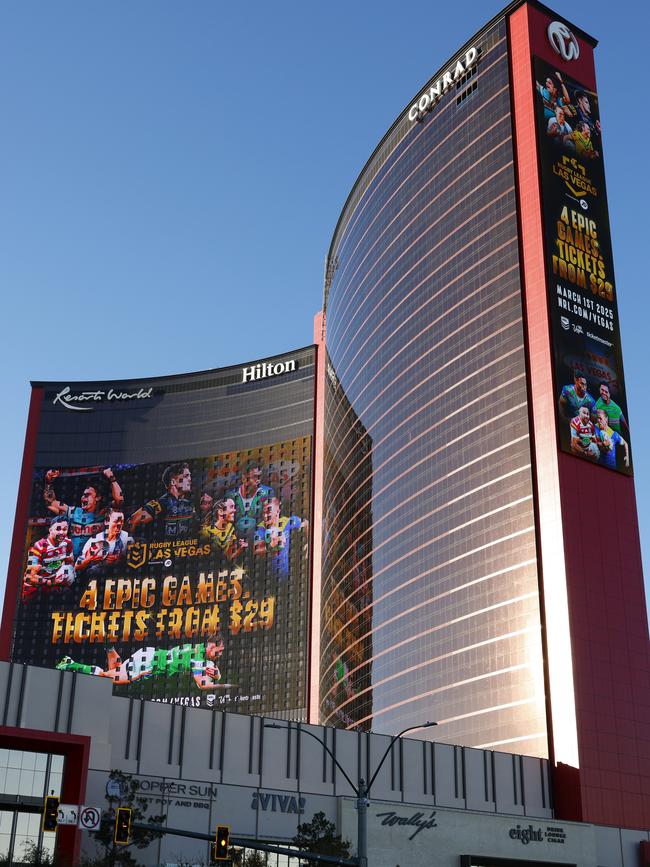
(426, 515)
(480, 554)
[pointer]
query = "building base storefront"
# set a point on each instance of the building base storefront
(196, 768)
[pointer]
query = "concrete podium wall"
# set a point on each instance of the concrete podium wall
(201, 767)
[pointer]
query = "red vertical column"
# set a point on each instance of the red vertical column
(76, 750)
(14, 577)
(564, 746)
(598, 656)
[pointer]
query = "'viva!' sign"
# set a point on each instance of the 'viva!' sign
(277, 803)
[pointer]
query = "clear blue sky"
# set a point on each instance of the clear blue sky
(171, 174)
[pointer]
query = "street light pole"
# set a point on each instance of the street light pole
(362, 791)
(362, 823)
(323, 745)
(396, 737)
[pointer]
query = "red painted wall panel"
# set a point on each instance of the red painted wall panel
(14, 576)
(606, 609)
(76, 749)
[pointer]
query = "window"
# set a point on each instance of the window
(25, 779)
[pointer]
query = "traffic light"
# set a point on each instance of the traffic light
(123, 826)
(50, 813)
(222, 843)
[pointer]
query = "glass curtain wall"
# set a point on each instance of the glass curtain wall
(25, 779)
(429, 564)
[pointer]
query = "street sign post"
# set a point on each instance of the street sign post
(68, 814)
(89, 817)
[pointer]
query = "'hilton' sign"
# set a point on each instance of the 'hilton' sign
(265, 369)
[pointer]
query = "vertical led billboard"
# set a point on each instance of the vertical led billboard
(590, 389)
(184, 579)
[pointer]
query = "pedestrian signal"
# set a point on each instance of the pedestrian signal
(50, 813)
(123, 826)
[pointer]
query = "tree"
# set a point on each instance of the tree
(245, 857)
(122, 791)
(234, 853)
(255, 858)
(320, 836)
(40, 856)
(35, 854)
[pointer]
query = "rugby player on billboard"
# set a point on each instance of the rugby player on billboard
(584, 441)
(107, 548)
(174, 509)
(573, 397)
(608, 441)
(199, 660)
(616, 419)
(206, 510)
(249, 499)
(50, 561)
(87, 519)
(223, 534)
(273, 535)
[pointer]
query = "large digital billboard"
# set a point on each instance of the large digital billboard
(183, 577)
(172, 580)
(589, 385)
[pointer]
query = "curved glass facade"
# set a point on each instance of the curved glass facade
(430, 603)
(166, 541)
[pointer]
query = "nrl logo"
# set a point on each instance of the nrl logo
(136, 555)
